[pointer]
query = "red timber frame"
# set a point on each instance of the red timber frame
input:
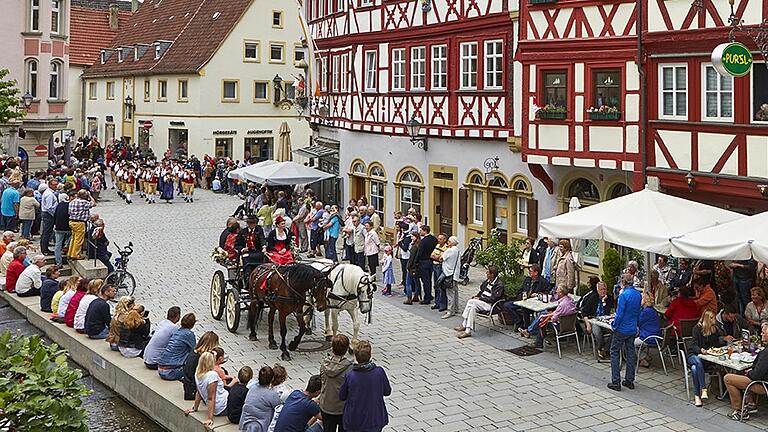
(451, 112)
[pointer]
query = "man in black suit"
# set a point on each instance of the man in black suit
(426, 247)
(251, 244)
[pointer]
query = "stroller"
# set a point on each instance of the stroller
(468, 258)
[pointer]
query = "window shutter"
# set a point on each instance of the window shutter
(463, 194)
(533, 218)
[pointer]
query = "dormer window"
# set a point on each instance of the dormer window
(103, 56)
(135, 53)
(157, 50)
(119, 55)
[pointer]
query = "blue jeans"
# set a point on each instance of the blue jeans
(408, 282)
(743, 289)
(26, 228)
(542, 331)
(518, 316)
(626, 341)
(697, 374)
(316, 427)
(415, 285)
(62, 238)
(425, 273)
(330, 249)
(102, 335)
(441, 301)
(175, 374)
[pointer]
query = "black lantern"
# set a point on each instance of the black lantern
(690, 180)
(27, 99)
(128, 107)
(414, 130)
(491, 166)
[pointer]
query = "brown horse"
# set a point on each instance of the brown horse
(285, 289)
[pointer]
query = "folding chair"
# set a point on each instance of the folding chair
(566, 328)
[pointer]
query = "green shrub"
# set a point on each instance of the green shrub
(582, 290)
(38, 389)
(612, 266)
(504, 256)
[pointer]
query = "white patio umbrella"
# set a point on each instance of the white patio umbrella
(738, 240)
(577, 245)
(644, 220)
(285, 173)
(239, 172)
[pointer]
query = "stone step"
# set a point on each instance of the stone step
(64, 270)
(88, 268)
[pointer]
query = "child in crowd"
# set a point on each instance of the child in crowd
(220, 359)
(237, 394)
(61, 299)
(387, 271)
(49, 288)
(281, 388)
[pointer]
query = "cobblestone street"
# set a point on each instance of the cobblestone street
(439, 383)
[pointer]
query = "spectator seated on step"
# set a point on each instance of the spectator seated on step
(533, 284)
(5, 243)
(161, 337)
(49, 288)
(7, 257)
(30, 280)
(134, 332)
(237, 394)
(216, 185)
(182, 342)
(15, 268)
(97, 316)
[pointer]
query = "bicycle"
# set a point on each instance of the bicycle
(121, 278)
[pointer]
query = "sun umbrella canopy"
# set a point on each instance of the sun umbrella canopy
(644, 220)
(737, 240)
(239, 172)
(285, 173)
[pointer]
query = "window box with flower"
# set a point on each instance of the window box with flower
(604, 113)
(551, 112)
(534, 2)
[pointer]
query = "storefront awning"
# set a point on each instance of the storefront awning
(316, 151)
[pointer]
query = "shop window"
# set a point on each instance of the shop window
(760, 92)
(606, 88)
(555, 88)
(223, 147)
(410, 191)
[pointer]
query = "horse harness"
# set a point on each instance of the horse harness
(295, 298)
(344, 299)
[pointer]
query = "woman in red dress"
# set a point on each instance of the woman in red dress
(279, 243)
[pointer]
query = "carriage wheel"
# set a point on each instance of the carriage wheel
(233, 310)
(218, 287)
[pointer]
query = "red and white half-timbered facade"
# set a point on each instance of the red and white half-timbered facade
(714, 127)
(449, 65)
(579, 56)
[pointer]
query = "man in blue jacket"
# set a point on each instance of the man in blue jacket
(624, 331)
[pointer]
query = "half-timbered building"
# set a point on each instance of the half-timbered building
(447, 64)
(707, 133)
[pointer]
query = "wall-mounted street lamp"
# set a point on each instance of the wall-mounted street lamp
(129, 107)
(27, 100)
(690, 180)
(414, 130)
(491, 166)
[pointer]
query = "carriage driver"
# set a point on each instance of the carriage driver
(251, 241)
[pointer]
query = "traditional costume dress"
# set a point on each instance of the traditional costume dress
(279, 245)
(166, 187)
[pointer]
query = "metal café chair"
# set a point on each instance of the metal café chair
(687, 372)
(495, 310)
(566, 328)
(661, 343)
(686, 332)
(763, 384)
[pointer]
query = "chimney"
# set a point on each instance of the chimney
(134, 5)
(113, 17)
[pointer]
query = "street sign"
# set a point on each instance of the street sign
(732, 59)
(147, 124)
(41, 150)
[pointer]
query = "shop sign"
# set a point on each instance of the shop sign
(176, 123)
(225, 132)
(259, 132)
(110, 119)
(732, 59)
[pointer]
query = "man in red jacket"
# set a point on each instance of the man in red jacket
(15, 268)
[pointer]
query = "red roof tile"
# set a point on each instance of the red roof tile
(196, 28)
(89, 32)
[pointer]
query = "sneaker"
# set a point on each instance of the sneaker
(738, 415)
(459, 328)
(750, 408)
(616, 387)
(704, 394)
(697, 401)
(525, 333)
(447, 315)
(602, 355)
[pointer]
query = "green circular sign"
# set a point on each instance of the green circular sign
(732, 59)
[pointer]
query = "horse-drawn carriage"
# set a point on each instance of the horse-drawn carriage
(289, 289)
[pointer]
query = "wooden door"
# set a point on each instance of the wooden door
(357, 187)
(445, 210)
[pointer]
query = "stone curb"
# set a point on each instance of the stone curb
(161, 400)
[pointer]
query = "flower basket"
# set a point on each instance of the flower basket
(533, 2)
(597, 115)
(551, 115)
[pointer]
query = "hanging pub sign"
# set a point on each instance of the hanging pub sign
(732, 59)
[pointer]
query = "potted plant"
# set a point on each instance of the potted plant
(604, 112)
(551, 112)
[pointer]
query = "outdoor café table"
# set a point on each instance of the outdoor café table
(603, 322)
(535, 305)
(725, 365)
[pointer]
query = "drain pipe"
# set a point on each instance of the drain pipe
(643, 93)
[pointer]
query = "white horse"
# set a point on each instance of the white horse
(352, 288)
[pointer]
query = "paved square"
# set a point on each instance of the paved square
(439, 383)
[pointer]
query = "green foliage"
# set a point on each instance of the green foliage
(612, 266)
(38, 389)
(582, 289)
(505, 257)
(8, 98)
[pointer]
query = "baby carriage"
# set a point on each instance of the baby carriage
(468, 258)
